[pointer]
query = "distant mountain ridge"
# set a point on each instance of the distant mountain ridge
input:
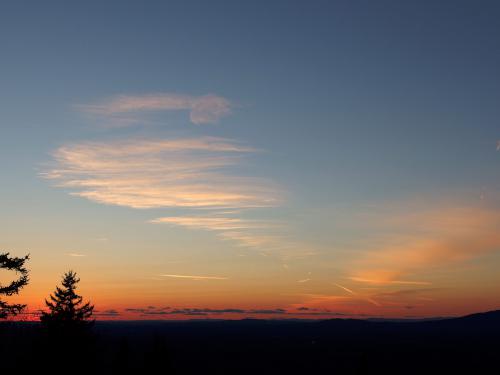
(467, 344)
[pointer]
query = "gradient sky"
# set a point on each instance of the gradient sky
(237, 158)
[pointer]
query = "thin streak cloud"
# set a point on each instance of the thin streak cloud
(344, 288)
(245, 232)
(388, 281)
(191, 277)
(211, 223)
(303, 280)
(77, 255)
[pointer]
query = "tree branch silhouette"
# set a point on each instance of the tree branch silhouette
(17, 265)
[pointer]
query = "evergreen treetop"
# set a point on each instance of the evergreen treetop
(66, 308)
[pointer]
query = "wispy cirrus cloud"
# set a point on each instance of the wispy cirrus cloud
(206, 109)
(251, 239)
(142, 173)
(189, 173)
(426, 238)
(216, 223)
(245, 232)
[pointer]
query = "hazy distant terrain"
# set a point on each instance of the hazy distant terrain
(278, 347)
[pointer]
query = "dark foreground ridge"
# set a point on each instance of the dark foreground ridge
(468, 344)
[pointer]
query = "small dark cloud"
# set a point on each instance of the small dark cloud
(264, 311)
(165, 311)
(155, 312)
(303, 308)
(147, 309)
(319, 313)
(196, 314)
(207, 311)
(135, 310)
(110, 312)
(201, 311)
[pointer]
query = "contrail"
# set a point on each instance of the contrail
(372, 301)
(346, 289)
(402, 282)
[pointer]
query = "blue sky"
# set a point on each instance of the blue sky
(350, 108)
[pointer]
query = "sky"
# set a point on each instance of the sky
(230, 159)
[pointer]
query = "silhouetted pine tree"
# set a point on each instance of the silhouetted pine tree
(17, 265)
(66, 309)
(67, 331)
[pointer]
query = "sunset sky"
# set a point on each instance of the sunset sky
(231, 159)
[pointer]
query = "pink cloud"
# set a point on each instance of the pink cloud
(206, 109)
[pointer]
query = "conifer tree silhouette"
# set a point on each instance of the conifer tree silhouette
(17, 265)
(67, 312)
